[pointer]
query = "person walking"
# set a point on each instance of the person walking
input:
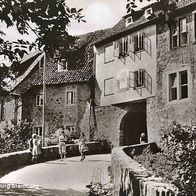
(82, 146)
(62, 145)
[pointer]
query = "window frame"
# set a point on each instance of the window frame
(39, 102)
(179, 33)
(73, 97)
(37, 132)
(64, 63)
(2, 112)
(112, 93)
(127, 22)
(178, 84)
(112, 56)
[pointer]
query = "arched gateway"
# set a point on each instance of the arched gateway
(133, 124)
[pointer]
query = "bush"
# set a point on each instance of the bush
(177, 161)
(15, 136)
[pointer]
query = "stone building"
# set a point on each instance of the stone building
(145, 73)
(67, 89)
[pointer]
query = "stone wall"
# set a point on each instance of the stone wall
(15, 160)
(131, 178)
(160, 111)
(107, 121)
(56, 111)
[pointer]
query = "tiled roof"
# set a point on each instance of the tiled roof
(81, 72)
(53, 77)
(120, 27)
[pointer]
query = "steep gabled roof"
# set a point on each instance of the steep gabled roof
(82, 72)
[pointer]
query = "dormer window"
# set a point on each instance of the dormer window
(129, 20)
(148, 12)
(63, 65)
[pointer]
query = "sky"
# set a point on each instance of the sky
(99, 14)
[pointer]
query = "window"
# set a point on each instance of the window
(63, 65)
(194, 23)
(121, 47)
(2, 117)
(174, 36)
(108, 86)
(148, 12)
(138, 42)
(123, 80)
(38, 131)
(173, 86)
(139, 78)
(183, 85)
(108, 53)
(39, 100)
(179, 33)
(70, 97)
(70, 128)
(178, 85)
(183, 32)
(129, 20)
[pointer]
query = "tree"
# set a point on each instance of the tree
(50, 19)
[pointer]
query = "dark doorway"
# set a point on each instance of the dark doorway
(133, 124)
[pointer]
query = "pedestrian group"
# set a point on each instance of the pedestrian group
(35, 145)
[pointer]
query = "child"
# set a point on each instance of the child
(82, 146)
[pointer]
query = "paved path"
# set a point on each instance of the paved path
(66, 178)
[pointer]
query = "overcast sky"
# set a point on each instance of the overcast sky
(99, 14)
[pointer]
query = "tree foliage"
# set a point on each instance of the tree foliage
(48, 19)
(15, 136)
(177, 161)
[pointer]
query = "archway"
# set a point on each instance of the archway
(133, 124)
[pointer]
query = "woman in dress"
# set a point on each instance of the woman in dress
(62, 145)
(82, 146)
(36, 148)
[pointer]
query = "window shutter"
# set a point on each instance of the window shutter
(123, 46)
(130, 44)
(116, 49)
(74, 97)
(147, 45)
(148, 81)
(132, 79)
(118, 84)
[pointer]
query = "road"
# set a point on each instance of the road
(66, 178)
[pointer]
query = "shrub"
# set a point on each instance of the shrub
(177, 161)
(15, 136)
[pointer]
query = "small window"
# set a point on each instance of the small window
(121, 47)
(108, 53)
(139, 78)
(183, 32)
(174, 36)
(70, 98)
(148, 12)
(39, 100)
(38, 131)
(129, 20)
(173, 86)
(123, 81)
(109, 86)
(2, 117)
(138, 42)
(178, 85)
(62, 66)
(183, 85)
